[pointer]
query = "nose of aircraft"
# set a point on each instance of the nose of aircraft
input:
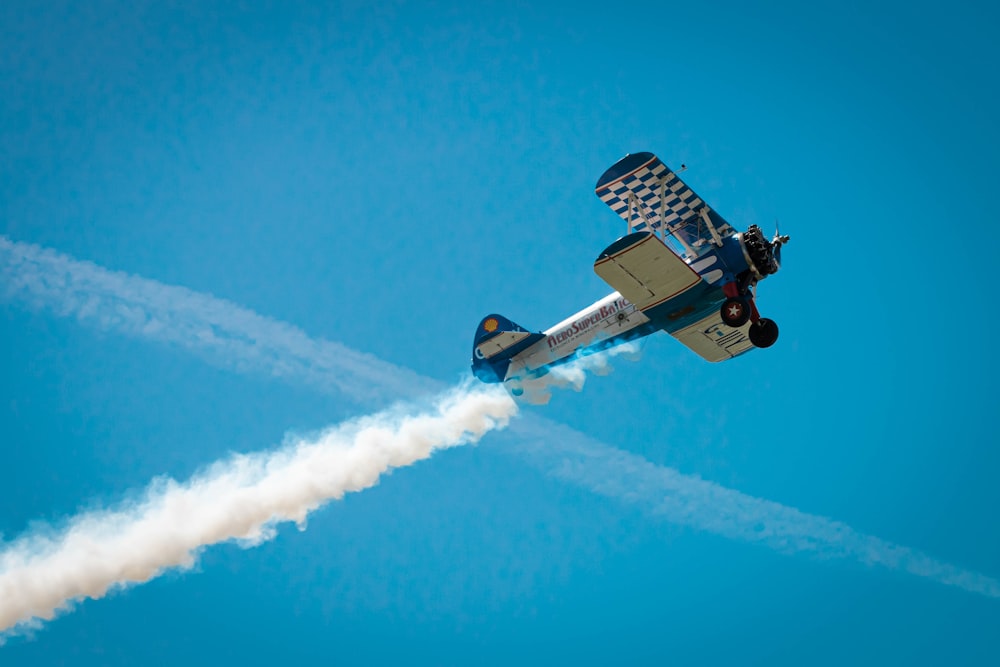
(760, 251)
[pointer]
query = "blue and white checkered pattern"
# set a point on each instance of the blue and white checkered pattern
(680, 205)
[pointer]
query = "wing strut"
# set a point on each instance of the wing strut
(703, 212)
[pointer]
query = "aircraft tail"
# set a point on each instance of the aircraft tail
(497, 340)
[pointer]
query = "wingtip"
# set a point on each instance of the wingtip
(623, 167)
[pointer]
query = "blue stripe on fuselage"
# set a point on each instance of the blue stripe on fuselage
(597, 346)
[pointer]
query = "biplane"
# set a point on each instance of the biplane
(680, 268)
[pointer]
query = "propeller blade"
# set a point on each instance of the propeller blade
(777, 242)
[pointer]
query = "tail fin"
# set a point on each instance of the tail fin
(497, 340)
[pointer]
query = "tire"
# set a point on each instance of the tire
(764, 333)
(735, 311)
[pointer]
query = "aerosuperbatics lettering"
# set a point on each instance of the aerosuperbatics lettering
(588, 321)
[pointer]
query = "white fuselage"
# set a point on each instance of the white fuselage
(610, 317)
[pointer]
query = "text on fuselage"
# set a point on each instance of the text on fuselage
(587, 322)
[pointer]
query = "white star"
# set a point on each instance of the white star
(734, 311)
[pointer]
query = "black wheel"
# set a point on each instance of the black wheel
(735, 311)
(764, 333)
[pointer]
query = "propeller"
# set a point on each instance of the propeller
(778, 241)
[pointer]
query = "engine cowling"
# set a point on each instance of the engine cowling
(760, 252)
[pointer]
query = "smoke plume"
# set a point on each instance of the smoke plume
(242, 499)
(595, 360)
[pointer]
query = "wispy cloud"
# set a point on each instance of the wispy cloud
(218, 330)
(246, 341)
(663, 492)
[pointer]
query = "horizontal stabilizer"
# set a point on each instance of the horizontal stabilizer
(503, 341)
(497, 340)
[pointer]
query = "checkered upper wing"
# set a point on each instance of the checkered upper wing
(649, 196)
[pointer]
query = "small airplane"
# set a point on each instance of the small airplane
(680, 268)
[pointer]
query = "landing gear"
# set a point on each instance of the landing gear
(763, 258)
(763, 332)
(739, 308)
(735, 311)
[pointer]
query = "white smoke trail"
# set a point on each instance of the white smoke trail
(238, 499)
(246, 341)
(573, 374)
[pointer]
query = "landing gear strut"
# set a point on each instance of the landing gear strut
(739, 308)
(763, 258)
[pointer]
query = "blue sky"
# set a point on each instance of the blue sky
(382, 177)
